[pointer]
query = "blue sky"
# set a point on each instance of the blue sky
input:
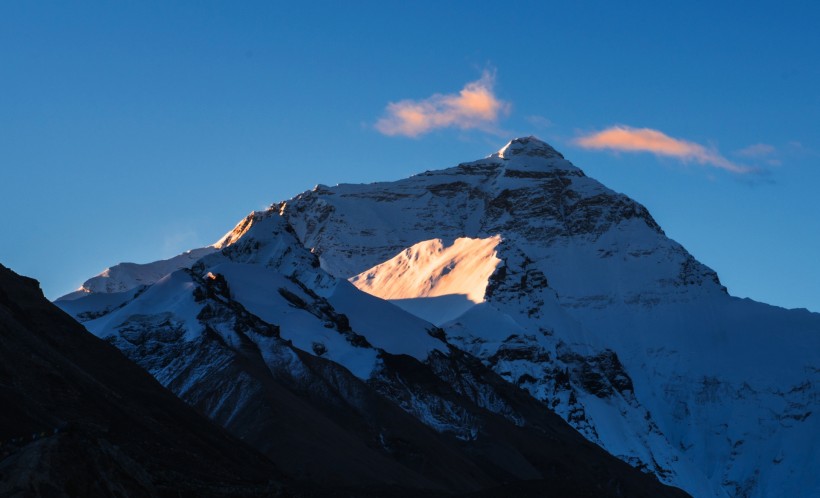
(131, 131)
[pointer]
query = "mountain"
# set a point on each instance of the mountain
(528, 271)
(340, 388)
(596, 312)
(79, 419)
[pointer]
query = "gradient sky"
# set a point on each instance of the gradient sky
(131, 131)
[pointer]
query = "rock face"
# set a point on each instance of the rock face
(589, 311)
(79, 419)
(340, 388)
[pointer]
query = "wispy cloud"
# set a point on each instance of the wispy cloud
(756, 151)
(474, 107)
(627, 139)
(539, 121)
(797, 149)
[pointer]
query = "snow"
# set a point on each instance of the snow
(386, 326)
(260, 259)
(436, 310)
(172, 295)
(257, 289)
(457, 274)
(708, 370)
(429, 269)
(89, 305)
(266, 240)
(126, 276)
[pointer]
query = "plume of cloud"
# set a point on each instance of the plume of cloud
(627, 139)
(475, 106)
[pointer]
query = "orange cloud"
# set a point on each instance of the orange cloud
(624, 138)
(475, 106)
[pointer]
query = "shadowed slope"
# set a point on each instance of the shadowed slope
(79, 419)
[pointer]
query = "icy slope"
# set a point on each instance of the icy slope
(662, 367)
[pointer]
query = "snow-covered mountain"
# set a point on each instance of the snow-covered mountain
(336, 386)
(712, 393)
(557, 284)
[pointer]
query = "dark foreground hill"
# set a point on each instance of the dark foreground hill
(79, 419)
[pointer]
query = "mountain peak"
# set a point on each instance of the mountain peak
(528, 146)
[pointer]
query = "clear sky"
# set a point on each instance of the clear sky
(131, 131)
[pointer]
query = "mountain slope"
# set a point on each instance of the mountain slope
(126, 276)
(587, 306)
(339, 387)
(79, 419)
(596, 312)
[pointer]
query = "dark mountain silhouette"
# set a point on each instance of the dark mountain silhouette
(80, 419)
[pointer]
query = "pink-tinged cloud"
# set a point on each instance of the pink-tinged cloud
(626, 139)
(475, 106)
